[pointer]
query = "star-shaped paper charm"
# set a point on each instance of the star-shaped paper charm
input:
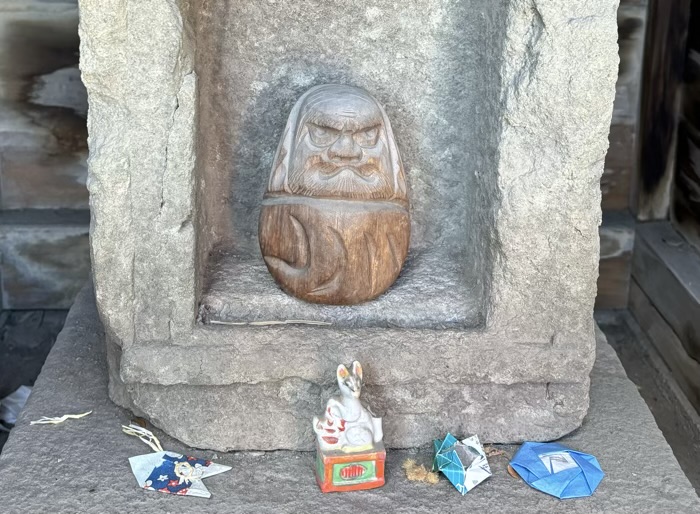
(174, 473)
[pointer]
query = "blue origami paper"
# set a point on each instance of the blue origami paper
(557, 470)
(464, 462)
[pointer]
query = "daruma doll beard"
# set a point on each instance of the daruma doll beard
(321, 178)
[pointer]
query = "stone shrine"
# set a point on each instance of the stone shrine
(500, 111)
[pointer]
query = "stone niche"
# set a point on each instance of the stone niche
(501, 111)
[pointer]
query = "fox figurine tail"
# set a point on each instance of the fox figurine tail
(330, 429)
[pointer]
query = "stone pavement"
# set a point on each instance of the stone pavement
(673, 412)
(82, 466)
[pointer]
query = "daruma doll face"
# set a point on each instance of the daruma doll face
(341, 149)
(334, 226)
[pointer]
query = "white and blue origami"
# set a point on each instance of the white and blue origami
(173, 473)
(462, 462)
(557, 470)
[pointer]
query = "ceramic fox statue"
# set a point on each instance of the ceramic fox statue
(350, 454)
(348, 425)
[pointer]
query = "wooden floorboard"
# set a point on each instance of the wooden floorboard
(685, 369)
(666, 268)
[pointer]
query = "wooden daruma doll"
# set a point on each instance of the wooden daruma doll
(334, 226)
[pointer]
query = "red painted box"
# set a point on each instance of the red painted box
(338, 471)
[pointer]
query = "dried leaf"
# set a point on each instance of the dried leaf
(140, 422)
(512, 472)
(493, 452)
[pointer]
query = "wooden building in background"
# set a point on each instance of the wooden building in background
(664, 294)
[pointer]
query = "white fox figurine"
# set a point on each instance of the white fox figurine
(348, 425)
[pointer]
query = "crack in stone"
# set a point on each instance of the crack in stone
(532, 53)
(166, 161)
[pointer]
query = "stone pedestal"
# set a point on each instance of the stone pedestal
(82, 465)
(501, 111)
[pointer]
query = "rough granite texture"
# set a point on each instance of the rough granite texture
(501, 111)
(242, 290)
(82, 466)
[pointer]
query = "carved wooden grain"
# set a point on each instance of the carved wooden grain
(334, 226)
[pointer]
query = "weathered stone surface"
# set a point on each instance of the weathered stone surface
(501, 112)
(678, 420)
(270, 405)
(45, 259)
(244, 291)
(275, 415)
(136, 62)
(82, 466)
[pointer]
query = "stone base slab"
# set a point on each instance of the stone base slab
(273, 414)
(82, 465)
(277, 415)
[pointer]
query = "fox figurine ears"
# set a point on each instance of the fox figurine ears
(357, 369)
(343, 372)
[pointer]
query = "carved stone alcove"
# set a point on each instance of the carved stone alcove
(437, 79)
(500, 110)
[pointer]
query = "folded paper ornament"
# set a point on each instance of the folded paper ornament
(463, 462)
(173, 473)
(170, 472)
(557, 470)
